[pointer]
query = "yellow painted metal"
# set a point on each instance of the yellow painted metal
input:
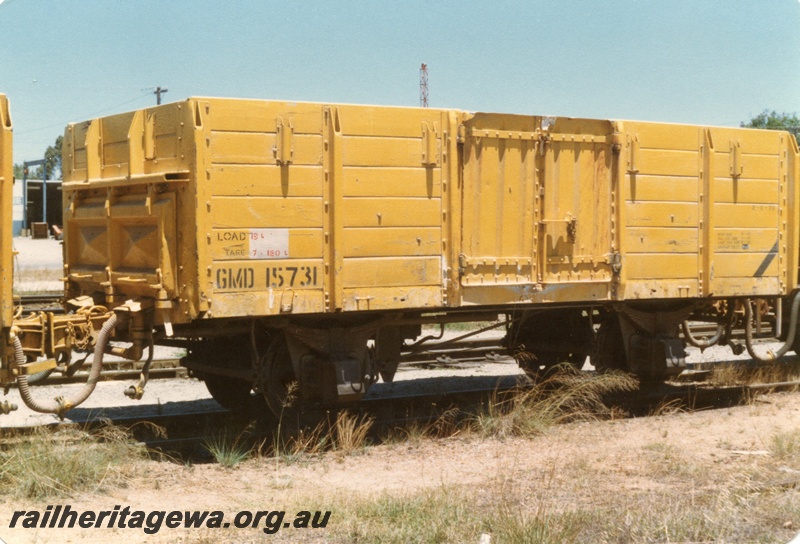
(6, 202)
(708, 212)
(251, 207)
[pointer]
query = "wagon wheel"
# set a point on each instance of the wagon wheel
(608, 351)
(539, 365)
(232, 353)
(232, 393)
(531, 339)
(277, 380)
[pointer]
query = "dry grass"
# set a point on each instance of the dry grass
(679, 499)
(785, 446)
(66, 462)
(347, 434)
(350, 432)
(579, 483)
(453, 514)
(751, 374)
(669, 408)
(566, 395)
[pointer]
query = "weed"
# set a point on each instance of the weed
(565, 395)
(668, 408)
(446, 425)
(541, 525)
(750, 374)
(786, 445)
(227, 452)
(350, 432)
(287, 412)
(306, 442)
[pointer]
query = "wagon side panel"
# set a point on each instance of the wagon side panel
(315, 208)
(705, 211)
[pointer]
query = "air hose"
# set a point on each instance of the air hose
(748, 332)
(61, 405)
(720, 333)
(702, 343)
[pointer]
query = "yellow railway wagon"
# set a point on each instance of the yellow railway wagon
(306, 242)
(6, 202)
(6, 247)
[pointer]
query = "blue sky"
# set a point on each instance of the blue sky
(703, 62)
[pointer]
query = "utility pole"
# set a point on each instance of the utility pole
(423, 86)
(158, 92)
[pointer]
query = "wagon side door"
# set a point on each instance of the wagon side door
(499, 209)
(576, 229)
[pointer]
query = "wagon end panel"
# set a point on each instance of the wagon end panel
(6, 196)
(128, 209)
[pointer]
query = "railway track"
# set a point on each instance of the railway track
(123, 370)
(187, 433)
(40, 303)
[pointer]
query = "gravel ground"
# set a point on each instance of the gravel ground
(45, 254)
(38, 265)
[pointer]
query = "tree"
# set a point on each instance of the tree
(773, 120)
(52, 158)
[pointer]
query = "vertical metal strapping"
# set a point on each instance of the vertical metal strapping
(6, 207)
(333, 197)
(707, 199)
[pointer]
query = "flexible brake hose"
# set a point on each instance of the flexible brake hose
(702, 343)
(60, 405)
(748, 332)
(137, 391)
